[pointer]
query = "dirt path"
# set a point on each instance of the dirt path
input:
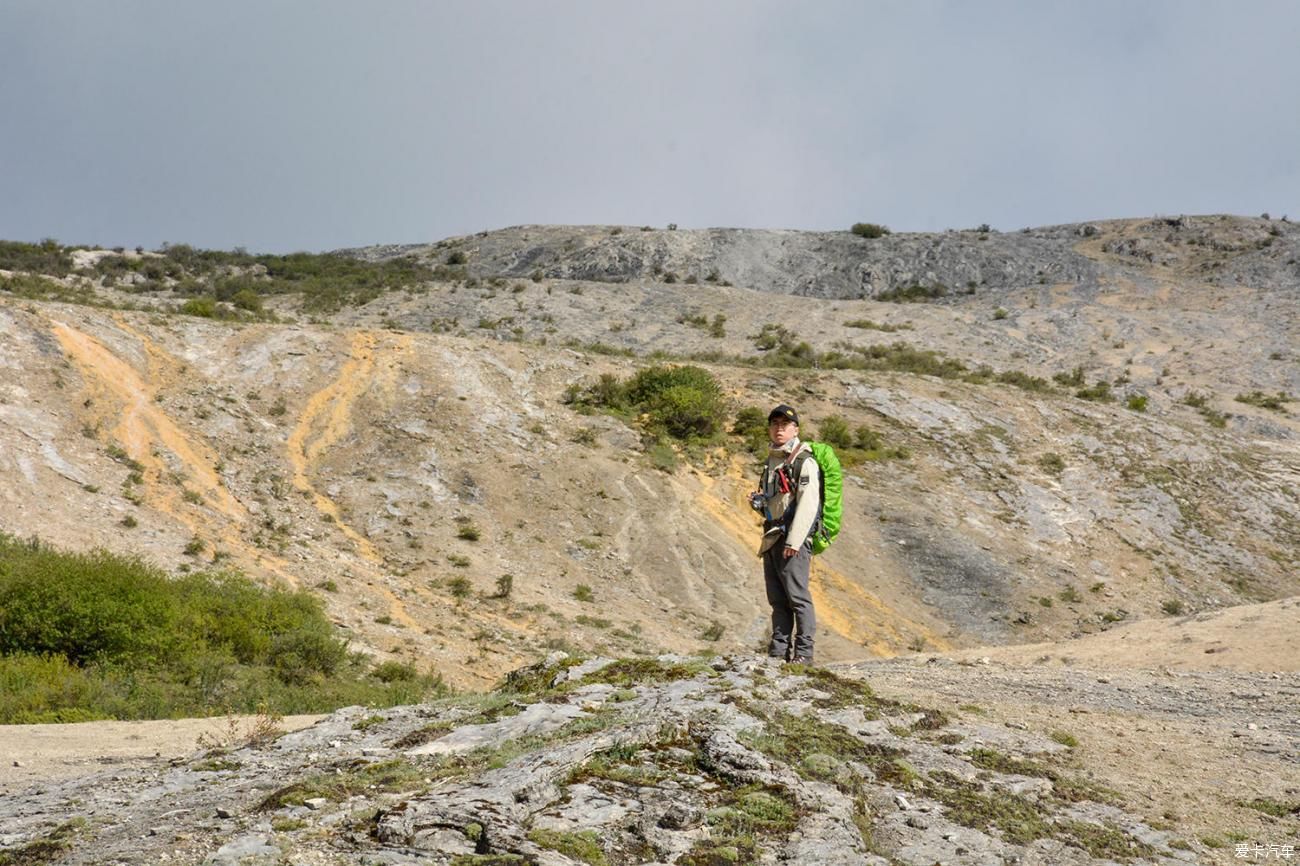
(32, 754)
(1188, 750)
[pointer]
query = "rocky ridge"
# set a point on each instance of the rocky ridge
(842, 265)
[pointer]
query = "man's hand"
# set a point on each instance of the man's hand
(789, 551)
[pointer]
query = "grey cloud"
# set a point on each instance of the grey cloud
(292, 125)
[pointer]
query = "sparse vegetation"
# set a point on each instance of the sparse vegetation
(1052, 463)
(1201, 405)
(869, 325)
(1098, 392)
(1065, 739)
(44, 849)
(856, 446)
(1273, 402)
(583, 846)
(915, 293)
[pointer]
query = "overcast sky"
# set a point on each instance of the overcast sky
(315, 125)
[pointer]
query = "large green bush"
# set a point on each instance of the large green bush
(98, 635)
(683, 402)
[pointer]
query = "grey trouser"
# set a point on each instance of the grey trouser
(792, 606)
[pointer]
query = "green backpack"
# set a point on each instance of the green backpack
(827, 525)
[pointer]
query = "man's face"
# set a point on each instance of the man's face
(781, 431)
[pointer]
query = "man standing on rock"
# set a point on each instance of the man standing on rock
(789, 498)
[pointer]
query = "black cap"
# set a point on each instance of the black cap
(785, 412)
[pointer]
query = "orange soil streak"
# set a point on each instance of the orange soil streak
(142, 422)
(163, 367)
(330, 410)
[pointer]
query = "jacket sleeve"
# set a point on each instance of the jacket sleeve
(807, 503)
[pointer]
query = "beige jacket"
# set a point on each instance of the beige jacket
(805, 499)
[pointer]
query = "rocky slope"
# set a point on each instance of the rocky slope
(406, 457)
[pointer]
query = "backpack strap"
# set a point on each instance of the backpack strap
(787, 476)
(806, 453)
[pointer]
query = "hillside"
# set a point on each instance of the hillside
(1073, 470)
(362, 451)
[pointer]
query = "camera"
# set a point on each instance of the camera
(757, 501)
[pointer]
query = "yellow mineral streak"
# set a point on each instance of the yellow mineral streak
(143, 424)
(324, 422)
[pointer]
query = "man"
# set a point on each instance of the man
(789, 498)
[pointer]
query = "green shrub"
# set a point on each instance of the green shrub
(685, 411)
(582, 592)
(505, 585)
(1052, 462)
(393, 671)
(751, 426)
(97, 635)
(834, 431)
(684, 402)
(914, 293)
(869, 230)
(205, 307)
(867, 439)
(1065, 738)
(662, 457)
(46, 257)
(583, 846)
(1137, 402)
(1072, 379)
(869, 325)
(247, 299)
(1098, 392)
